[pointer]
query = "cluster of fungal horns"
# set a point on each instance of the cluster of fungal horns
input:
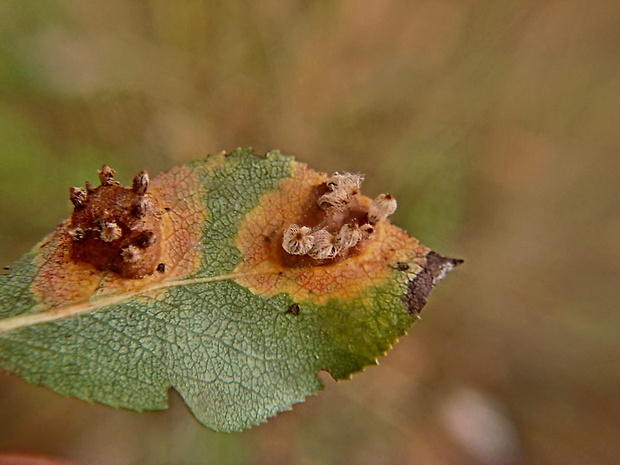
(341, 223)
(115, 227)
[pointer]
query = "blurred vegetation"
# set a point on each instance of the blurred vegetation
(495, 124)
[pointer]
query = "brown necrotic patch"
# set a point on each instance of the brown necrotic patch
(268, 269)
(118, 236)
(435, 268)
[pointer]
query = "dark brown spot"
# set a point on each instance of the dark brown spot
(161, 268)
(294, 309)
(402, 266)
(367, 229)
(421, 286)
(146, 239)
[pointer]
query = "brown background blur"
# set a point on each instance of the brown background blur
(494, 123)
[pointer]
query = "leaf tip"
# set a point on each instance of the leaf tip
(435, 268)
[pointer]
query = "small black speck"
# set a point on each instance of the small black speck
(161, 267)
(402, 266)
(167, 209)
(7, 268)
(294, 309)
(280, 273)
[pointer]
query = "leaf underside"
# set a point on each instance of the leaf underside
(240, 335)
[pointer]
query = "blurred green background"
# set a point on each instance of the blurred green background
(495, 124)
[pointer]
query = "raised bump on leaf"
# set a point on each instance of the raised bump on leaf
(268, 269)
(111, 227)
(176, 202)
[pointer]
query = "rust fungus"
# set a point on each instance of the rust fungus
(141, 183)
(337, 222)
(78, 196)
(90, 188)
(313, 239)
(106, 176)
(140, 207)
(76, 263)
(381, 207)
(297, 240)
(340, 189)
(114, 227)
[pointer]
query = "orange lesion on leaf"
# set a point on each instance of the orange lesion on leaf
(175, 200)
(267, 269)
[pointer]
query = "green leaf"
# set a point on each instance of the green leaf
(208, 302)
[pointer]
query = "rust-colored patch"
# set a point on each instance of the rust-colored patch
(117, 229)
(267, 271)
(176, 200)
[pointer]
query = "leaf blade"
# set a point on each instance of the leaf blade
(217, 327)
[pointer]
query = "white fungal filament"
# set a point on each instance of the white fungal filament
(334, 199)
(297, 240)
(345, 222)
(342, 186)
(350, 183)
(348, 236)
(324, 247)
(381, 207)
(110, 232)
(131, 254)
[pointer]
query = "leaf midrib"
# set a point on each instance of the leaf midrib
(69, 311)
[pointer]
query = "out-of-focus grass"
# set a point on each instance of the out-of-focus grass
(493, 123)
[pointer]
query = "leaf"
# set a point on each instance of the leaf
(184, 283)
